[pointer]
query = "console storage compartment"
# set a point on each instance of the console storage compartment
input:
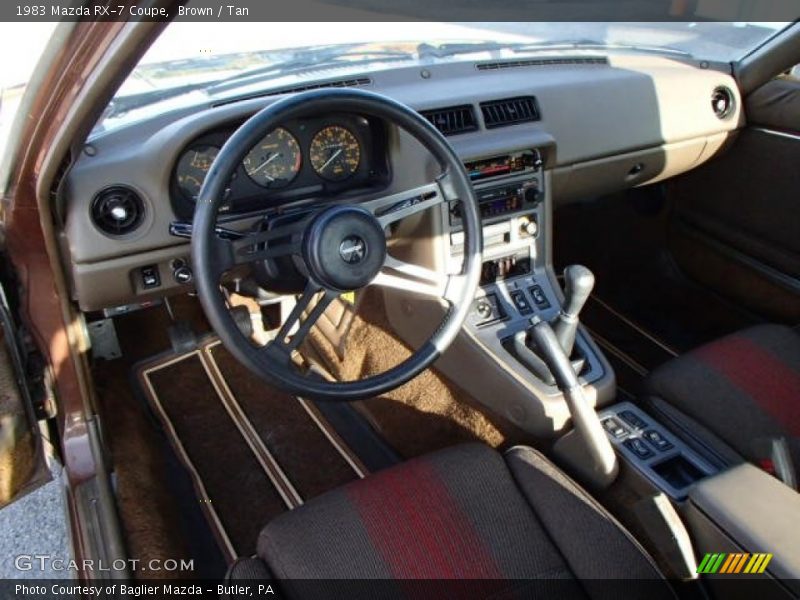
(745, 510)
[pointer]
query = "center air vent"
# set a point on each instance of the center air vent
(500, 113)
(722, 102)
(452, 120)
(117, 210)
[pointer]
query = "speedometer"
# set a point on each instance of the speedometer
(192, 168)
(275, 161)
(335, 153)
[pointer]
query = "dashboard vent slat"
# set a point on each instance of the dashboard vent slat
(509, 111)
(453, 119)
(542, 62)
(117, 210)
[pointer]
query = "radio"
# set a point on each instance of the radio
(502, 200)
(516, 163)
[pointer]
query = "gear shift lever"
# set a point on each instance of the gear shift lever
(588, 436)
(578, 285)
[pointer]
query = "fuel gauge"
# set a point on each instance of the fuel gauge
(193, 166)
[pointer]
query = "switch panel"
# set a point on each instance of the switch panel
(150, 277)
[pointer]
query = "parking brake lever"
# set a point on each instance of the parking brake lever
(586, 448)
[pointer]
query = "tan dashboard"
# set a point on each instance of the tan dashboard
(603, 125)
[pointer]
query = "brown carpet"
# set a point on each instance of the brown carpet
(149, 511)
(429, 412)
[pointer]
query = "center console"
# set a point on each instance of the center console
(659, 456)
(494, 356)
(517, 280)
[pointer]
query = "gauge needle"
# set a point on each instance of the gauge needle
(265, 163)
(330, 160)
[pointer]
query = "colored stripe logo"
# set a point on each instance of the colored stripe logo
(721, 562)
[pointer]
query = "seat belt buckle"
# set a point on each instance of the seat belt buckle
(777, 460)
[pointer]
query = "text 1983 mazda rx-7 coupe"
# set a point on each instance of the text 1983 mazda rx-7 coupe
(395, 306)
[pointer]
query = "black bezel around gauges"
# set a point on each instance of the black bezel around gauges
(247, 192)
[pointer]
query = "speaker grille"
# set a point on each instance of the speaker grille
(117, 210)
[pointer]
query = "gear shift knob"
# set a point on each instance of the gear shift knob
(578, 285)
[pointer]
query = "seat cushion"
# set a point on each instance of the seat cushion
(455, 514)
(745, 388)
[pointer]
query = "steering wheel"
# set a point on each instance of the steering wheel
(341, 245)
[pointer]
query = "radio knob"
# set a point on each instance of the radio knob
(484, 309)
(528, 228)
(532, 195)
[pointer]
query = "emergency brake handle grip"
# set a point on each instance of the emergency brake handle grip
(603, 468)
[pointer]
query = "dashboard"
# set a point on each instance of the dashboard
(593, 125)
(317, 157)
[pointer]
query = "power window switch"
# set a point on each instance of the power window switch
(658, 441)
(521, 302)
(150, 276)
(638, 447)
(632, 419)
(538, 297)
(614, 427)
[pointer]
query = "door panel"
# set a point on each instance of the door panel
(735, 223)
(22, 463)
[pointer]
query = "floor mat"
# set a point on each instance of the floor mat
(252, 452)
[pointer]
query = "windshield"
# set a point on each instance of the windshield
(212, 58)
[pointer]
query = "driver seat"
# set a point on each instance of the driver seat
(513, 521)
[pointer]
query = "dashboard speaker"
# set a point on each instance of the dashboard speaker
(117, 210)
(722, 102)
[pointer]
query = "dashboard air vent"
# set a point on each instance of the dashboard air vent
(722, 102)
(117, 210)
(542, 62)
(510, 111)
(453, 119)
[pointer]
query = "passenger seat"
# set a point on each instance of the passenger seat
(743, 388)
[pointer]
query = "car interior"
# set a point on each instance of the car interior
(523, 318)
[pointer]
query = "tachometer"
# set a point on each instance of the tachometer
(275, 161)
(335, 153)
(192, 168)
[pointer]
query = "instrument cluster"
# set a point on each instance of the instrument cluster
(301, 158)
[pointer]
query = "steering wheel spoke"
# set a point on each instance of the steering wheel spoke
(314, 300)
(402, 275)
(272, 243)
(249, 247)
(393, 208)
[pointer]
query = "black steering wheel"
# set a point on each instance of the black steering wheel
(341, 245)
